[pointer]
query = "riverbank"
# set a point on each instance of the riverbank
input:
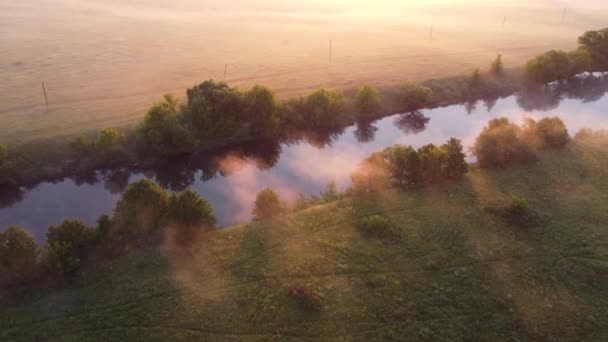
(456, 271)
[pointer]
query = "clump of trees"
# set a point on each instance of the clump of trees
(321, 109)
(406, 167)
(267, 205)
(556, 65)
(501, 142)
(141, 213)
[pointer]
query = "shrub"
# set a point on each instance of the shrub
(139, 210)
(330, 193)
(518, 213)
(497, 67)
(267, 205)
(500, 143)
(68, 244)
(191, 213)
(456, 165)
(378, 226)
(414, 97)
(306, 298)
(368, 102)
(18, 256)
(107, 142)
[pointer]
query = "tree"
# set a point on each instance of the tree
(476, 78)
(213, 109)
(580, 61)
(548, 67)
(368, 102)
(433, 161)
(107, 143)
(456, 165)
(69, 244)
(330, 193)
(414, 97)
(497, 67)
(325, 108)
(596, 43)
(139, 210)
(161, 131)
(267, 205)
(550, 132)
(403, 165)
(18, 255)
(191, 213)
(500, 143)
(261, 109)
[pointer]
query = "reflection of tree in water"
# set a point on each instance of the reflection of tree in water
(116, 181)
(586, 88)
(365, 132)
(89, 177)
(412, 123)
(490, 103)
(470, 106)
(9, 195)
(175, 175)
(265, 153)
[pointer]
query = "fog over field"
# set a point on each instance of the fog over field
(105, 61)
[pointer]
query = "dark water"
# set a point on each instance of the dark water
(231, 179)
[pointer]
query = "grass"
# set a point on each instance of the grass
(459, 272)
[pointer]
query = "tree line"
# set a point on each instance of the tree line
(558, 65)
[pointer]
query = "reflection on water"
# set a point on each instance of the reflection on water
(303, 162)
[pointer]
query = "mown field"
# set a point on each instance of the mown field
(456, 271)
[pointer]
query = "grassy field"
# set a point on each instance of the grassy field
(104, 62)
(456, 272)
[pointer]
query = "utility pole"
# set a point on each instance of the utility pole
(45, 98)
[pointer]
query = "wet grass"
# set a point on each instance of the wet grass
(457, 272)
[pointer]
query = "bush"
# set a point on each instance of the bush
(519, 214)
(68, 244)
(330, 193)
(107, 143)
(379, 227)
(267, 205)
(191, 213)
(500, 143)
(414, 97)
(306, 298)
(496, 67)
(368, 102)
(18, 256)
(139, 210)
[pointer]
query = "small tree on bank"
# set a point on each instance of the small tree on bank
(267, 205)
(368, 102)
(18, 256)
(68, 243)
(191, 213)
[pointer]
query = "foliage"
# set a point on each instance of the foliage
(413, 97)
(433, 160)
(548, 67)
(191, 213)
(325, 108)
(107, 142)
(368, 102)
(18, 256)
(162, 133)
(330, 193)
(139, 210)
(68, 244)
(500, 143)
(596, 43)
(306, 298)
(456, 165)
(213, 109)
(549, 132)
(403, 165)
(580, 61)
(496, 67)
(267, 205)
(519, 214)
(261, 109)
